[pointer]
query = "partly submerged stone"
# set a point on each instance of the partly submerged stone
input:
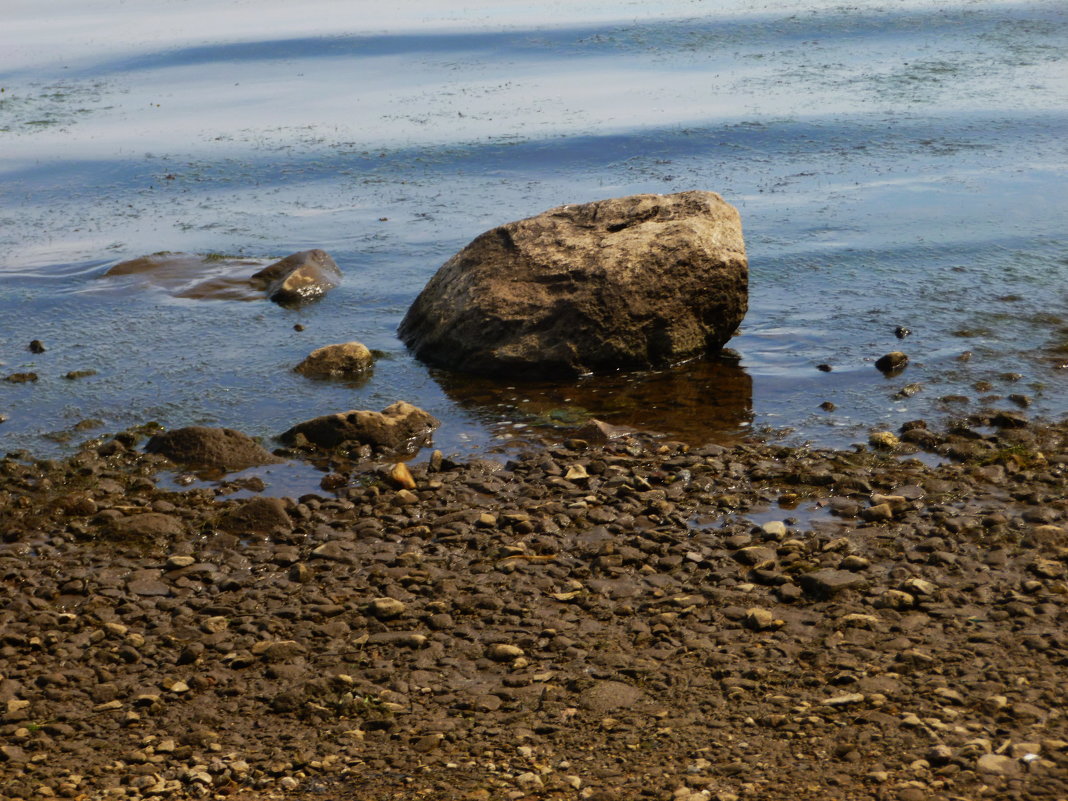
(347, 359)
(400, 427)
(205, 448)
(892, 363)
(628, 283)
(303, 276)
(192, 275)
(300, 277)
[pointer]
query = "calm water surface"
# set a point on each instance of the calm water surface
(895, 164)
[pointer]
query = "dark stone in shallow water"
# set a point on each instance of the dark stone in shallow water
(201, 447)
(399, 427)
(892, 362)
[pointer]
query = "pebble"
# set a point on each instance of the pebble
(755, 555)
(576, 472)
(909, 390)
(892, 362)
(334, 552)
(881, 512)
(830, 582)
(775, 528)
(760, 619)
(849, 699)
(503, 652)
(401, 476)
(894, 599)
(404, 497)
(997, 764)
(919, 587)
(885, 440)
(386, 608)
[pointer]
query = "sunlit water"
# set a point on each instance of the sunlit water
(895, 164)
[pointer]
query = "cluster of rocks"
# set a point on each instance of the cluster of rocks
(400, 428)
(628, 620)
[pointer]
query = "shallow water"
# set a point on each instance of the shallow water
(894, 164)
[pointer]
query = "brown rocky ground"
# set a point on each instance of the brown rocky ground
(628, 621)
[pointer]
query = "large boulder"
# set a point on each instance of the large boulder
(204, 448)
(301, 277)
(400, 427)
(629, 283)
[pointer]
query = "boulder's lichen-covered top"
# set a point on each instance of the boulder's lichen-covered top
(628, 283)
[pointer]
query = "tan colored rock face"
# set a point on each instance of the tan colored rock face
(345, 359)
(303, 276)
(629, 283)
(399, 427)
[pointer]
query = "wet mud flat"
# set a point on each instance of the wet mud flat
(638, 619)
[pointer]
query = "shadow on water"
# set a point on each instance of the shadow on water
(834, 142)
(585, 41)
(699, 402)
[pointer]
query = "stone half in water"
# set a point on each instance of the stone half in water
(632, 283)
(297, 278)
(344, 360)
(399, 428)
(205, 448)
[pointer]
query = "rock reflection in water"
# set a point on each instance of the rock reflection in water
(699, 402)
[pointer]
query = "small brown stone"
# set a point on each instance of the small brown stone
(343, 360)
(892, 362)
(401, 476)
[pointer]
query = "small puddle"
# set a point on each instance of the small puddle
(290, 479)
(803, 516)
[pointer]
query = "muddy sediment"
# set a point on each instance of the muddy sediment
(631, 620)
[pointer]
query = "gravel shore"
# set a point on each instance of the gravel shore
(630, 620)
